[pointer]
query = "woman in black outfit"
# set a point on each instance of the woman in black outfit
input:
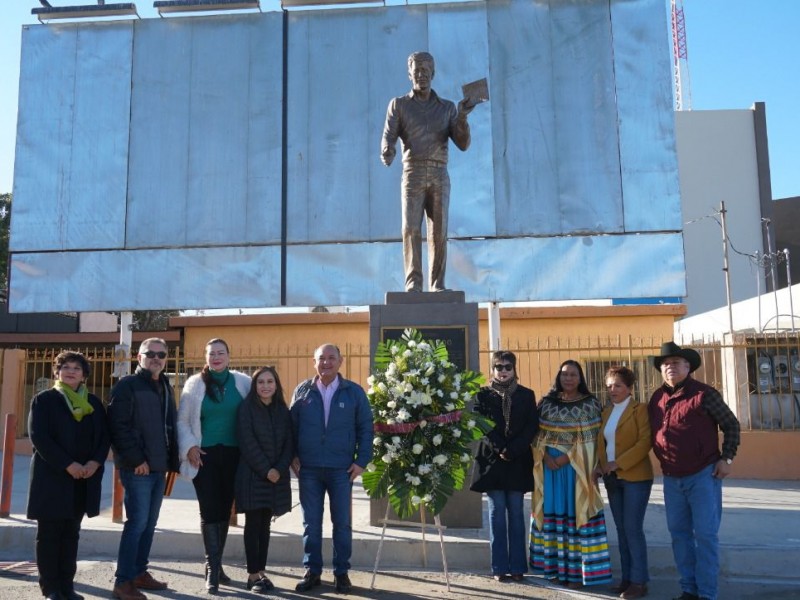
(504, 464)
(67, 426)
(263, 488)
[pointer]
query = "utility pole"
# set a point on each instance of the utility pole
(772, 270)
(789, 287)
(725, 268)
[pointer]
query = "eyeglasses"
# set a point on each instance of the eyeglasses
(153, 354)
(504, 367)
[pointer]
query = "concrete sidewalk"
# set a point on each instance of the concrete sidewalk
(759, 538)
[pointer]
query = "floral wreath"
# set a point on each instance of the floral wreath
(423, 428)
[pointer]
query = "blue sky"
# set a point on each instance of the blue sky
(740, 52)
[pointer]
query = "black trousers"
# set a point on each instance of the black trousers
(214, 483)
(57, 553)
(256, 538)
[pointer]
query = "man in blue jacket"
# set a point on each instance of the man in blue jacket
(141, 419)
(332, 423)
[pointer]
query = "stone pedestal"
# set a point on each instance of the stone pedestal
(437, 315)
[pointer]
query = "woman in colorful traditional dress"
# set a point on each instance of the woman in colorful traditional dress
(209, 448)
(568, 530)
(623, 450)
(503, 465)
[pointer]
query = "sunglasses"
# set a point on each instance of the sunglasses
(504, 367)
(153, 354)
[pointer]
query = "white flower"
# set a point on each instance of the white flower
(424, 469)
(395, 350)
(371, 380)
(441, 378)
(422, 424)
(424, 381)
(427, 498)
(387, 458)
(450, 406)
(430, 370)
(465, 458)
(417, 448)
(456, 432)
(396, 440)
(391, 404)
(466, 396)
(407, 353)
(371, 467)
(437, 439)
(377, 440)
(403, 415)
(408, 387)
(382, 387)
(413, 479)
(440, 393)
(454, 395)
(411, 343)
(426, 399)
(424, 346)
(439, 459)
(415, 500)
(471, 423)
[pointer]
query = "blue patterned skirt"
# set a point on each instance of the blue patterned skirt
(561, 551)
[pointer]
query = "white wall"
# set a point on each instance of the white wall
(717, 162)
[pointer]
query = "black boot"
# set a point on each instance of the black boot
(223, 535)
(211, 543)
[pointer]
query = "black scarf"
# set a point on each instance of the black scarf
(506, 390)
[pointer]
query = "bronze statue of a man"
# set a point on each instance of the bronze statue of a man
(425, 123)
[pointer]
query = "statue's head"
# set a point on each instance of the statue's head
(421, 70)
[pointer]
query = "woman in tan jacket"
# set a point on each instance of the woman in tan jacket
(623, 449)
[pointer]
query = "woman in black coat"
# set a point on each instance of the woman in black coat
(263, 487)
(67, 426)
(504, 464)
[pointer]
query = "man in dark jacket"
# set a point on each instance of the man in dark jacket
(332, 423)
(141, 416)
(685, 416)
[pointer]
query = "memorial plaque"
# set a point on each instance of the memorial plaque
(455, 338)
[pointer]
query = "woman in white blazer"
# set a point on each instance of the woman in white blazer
(209, 448)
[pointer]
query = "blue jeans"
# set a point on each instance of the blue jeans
(507, 538)
(314, 483)
(694, 511)
(628, 505)
(143, 496)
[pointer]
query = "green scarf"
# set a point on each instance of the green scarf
(77, 401)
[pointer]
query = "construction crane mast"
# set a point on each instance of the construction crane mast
(680, 62)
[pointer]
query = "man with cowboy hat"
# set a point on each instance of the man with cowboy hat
(685, 416)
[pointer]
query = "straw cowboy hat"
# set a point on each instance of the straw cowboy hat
(672, 349)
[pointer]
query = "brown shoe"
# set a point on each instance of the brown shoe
(635, 590)
(620, 587)
(145, 581)
(127, 591)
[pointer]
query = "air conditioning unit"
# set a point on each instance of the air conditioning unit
(764, 375)
(780, 366)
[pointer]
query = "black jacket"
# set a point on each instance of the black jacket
(490, 472)
(265, 442)
(141, 418)
(53, 432)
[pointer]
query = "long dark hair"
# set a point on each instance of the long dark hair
(213, 390)
(582, 387)
(252, 395)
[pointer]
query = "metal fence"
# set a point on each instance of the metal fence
(758, 374)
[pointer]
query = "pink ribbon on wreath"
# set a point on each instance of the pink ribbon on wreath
(450, 417)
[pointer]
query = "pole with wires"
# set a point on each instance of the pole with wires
(725, 268)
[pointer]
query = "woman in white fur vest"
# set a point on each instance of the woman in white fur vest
(209, 448)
